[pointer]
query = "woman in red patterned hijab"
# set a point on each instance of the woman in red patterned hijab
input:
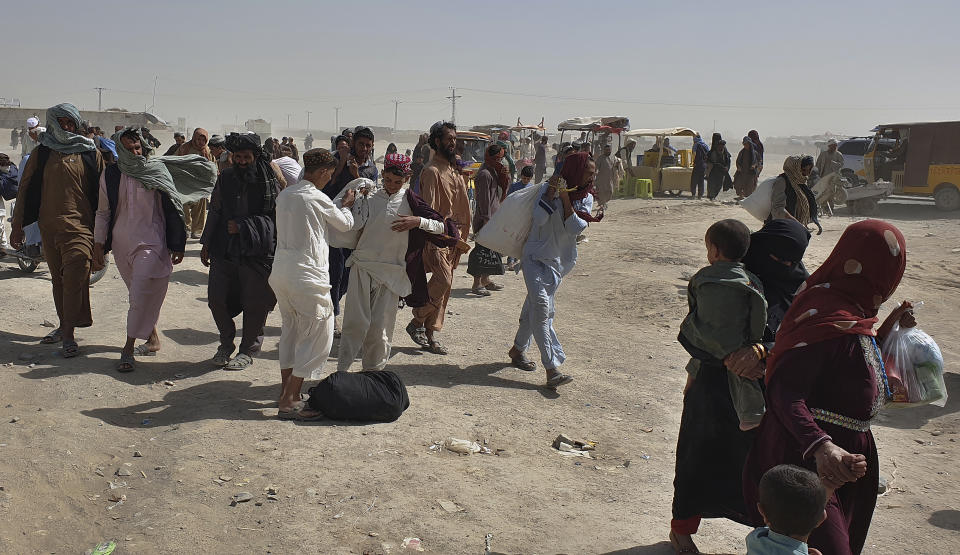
(845, 293)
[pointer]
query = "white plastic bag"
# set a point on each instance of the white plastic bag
(914, 367)
(760, 202)
(348, 239)
(508, 229)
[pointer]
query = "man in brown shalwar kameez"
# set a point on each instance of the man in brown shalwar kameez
(441, 187)
(59, 189)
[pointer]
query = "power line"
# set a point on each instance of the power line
(692, 105)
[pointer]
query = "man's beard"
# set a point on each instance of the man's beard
(449, 154)
(246, 174)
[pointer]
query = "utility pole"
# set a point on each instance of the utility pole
(453, 104)
(308, 120)
(99, 97)
(396, 106)
(288, 123)
(153, 105)
(337, 124)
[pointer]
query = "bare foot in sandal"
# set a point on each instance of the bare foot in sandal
(520, 360)
(436, 348)
(683, 543)
(146, 349)
(556, 378)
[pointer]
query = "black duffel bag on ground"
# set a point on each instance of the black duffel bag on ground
(372, 396)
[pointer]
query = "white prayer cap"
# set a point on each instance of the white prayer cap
(32, 122)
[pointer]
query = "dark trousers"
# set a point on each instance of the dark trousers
(539, 172)
(240, 287)
(339, 276)
(696, 181)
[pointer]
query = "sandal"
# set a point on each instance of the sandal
(143, 351)
(417, 334)
(310, 416)
(523, 363)
(127, 364)
(559, 379)
(53, 337)
(292, 414)
(493, 286)
(222, 358)
(241, 362)
(436, 348)
(70, 349)
(480, 291)
(677, 548)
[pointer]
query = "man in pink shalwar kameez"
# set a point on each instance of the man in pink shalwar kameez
(147, 235)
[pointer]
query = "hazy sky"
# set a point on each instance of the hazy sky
(780, 67)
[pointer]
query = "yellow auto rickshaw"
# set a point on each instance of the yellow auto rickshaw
(924, 161)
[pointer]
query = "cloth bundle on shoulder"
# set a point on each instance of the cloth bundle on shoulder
(508, 229)
(760, 202)
(371, 396)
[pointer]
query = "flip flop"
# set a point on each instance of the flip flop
(559, 379)
(417, 334)
(493, 286)
(70, 349)
(127, 364)
(481, 292)
(56, 336)
(143, 351)
(436, 348)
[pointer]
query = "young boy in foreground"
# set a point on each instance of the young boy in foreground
(727, 312)
(792, 502)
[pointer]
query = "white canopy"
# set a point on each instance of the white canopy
(588, 123)
(666, 132)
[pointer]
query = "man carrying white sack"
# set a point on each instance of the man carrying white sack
(300, 277)
(395, 223)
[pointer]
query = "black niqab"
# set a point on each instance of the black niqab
(787, 240)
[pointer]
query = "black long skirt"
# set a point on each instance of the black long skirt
(711, 452)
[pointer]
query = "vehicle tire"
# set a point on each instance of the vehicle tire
(865, 207)
(27, 265)
(97, 276)
(947, 197)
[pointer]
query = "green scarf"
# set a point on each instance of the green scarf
(58, 138)
(185, 179)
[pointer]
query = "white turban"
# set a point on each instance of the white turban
(32, 122)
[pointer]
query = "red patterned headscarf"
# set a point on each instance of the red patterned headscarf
(574, 171)
(396, 160)
(844, 295)
(499, 171)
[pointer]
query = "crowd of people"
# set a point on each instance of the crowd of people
(784, 375)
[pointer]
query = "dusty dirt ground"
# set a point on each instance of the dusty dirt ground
(364, 489)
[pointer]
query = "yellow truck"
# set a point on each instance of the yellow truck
(924, 161)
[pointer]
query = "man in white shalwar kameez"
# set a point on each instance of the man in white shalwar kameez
(378, 277)
(300, 276)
